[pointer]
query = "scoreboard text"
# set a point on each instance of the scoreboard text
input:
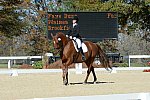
(93, 25)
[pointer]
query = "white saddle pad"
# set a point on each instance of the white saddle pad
(84, 47)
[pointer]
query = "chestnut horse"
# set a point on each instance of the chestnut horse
(69, 55)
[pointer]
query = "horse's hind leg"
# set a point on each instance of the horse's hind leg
(88, 73)
(90, 68)
(94, 75)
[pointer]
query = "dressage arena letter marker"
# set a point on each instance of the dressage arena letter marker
(78, 67)
(14, 73)
(114, 70)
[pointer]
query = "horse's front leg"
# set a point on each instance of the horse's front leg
(65, 76)
(65, 71)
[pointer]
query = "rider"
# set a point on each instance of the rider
(74, 32)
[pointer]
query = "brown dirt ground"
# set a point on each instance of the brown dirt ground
(48, 85)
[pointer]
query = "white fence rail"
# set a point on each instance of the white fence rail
(18, 58)
(50, 54)
(9, 58)
(137, 56)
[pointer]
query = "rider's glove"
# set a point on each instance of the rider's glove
(66, 35)
(70, 37)
(74, 38)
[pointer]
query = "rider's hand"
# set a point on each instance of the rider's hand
(74, 38)
(66, 35)
(70, 37)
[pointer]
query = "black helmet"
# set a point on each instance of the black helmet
(76, 18)
(59, 1)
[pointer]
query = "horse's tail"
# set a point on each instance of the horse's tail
(103, 59)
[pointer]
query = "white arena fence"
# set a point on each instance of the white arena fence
(136, 57)
(28, 58)
(24, 59)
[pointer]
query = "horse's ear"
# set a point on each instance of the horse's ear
(52, 35)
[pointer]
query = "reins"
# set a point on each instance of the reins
(57, 51)
(60, 50)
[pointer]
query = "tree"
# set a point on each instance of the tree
(35, 37)
(130, 45)
(136, 11)
(10, 22)
(23, 39)
(133, 17)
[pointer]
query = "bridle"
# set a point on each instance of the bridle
(61, 47)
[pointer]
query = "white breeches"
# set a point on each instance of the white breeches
(78, 42)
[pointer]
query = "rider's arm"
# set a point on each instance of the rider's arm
(69, 31)
(76, 31)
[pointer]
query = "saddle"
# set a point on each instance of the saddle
(84, 47)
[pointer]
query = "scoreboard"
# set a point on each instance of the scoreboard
(93, 25)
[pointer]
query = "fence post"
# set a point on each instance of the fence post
(129, 60)
(9, 64)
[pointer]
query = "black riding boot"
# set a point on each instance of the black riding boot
(83, 56)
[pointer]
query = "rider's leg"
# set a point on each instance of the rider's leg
(80, 48)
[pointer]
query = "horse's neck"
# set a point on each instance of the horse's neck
(65, 41)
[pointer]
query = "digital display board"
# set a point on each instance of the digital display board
(93, 25)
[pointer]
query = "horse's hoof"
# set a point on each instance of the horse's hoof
(84, 83)
(65, 83)
(94, 82)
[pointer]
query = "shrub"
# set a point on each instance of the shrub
(120, 64)
(148, 63)
(146, 70)
(38, 65)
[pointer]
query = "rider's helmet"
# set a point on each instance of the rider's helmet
(76, 18)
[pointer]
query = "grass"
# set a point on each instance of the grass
(3, 65)
(139, 65)
(132, 65)
(6, 66)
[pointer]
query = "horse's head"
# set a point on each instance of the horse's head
(59, 40)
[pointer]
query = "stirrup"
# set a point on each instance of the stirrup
(83, 57)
